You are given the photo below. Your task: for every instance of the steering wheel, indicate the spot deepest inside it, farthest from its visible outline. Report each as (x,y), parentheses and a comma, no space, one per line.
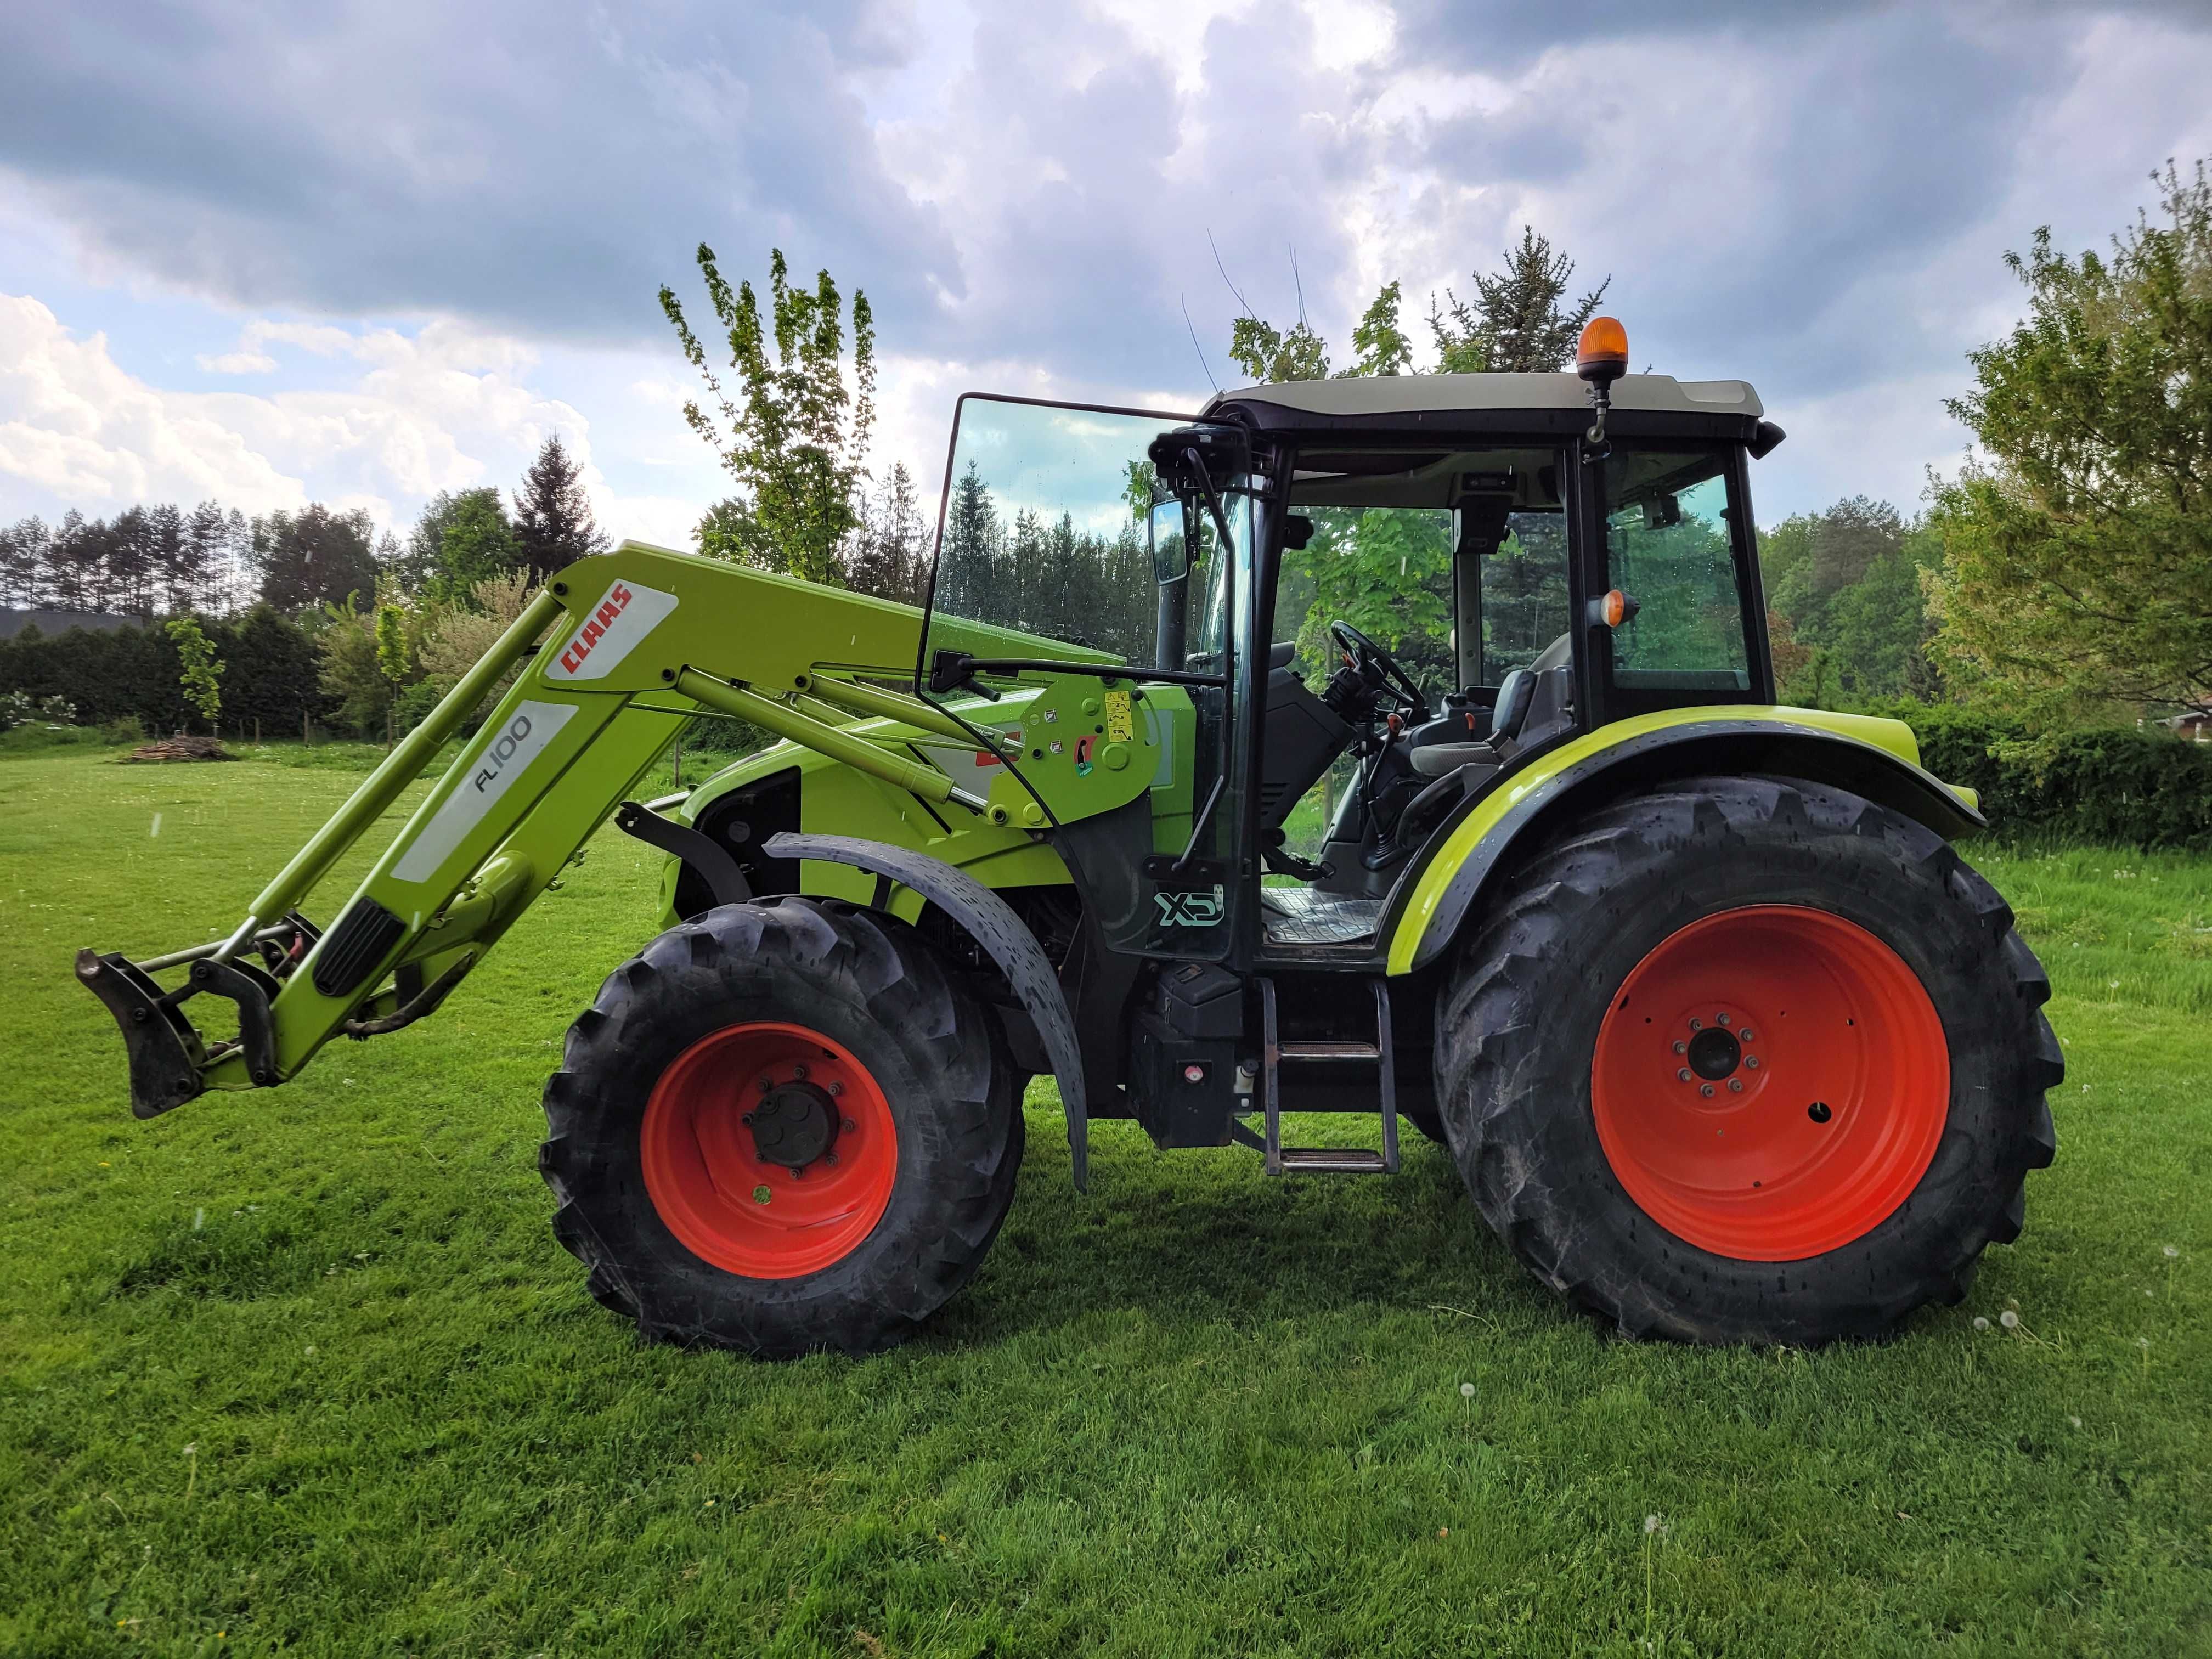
(1380,670)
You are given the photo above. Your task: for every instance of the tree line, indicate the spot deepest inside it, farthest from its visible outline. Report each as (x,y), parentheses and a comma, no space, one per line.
(286,621)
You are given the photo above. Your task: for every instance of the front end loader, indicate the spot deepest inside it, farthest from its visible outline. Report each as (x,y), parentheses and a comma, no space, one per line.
(1401,748)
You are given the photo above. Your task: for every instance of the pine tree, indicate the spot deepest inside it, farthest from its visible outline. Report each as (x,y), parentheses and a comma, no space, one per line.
(209,548)
(1516,324)
(553,522)
(890,557)
(26,547)
(970,552)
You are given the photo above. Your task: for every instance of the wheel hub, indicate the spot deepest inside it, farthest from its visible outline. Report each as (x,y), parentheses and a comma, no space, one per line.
(795,1123)
(1714,1053)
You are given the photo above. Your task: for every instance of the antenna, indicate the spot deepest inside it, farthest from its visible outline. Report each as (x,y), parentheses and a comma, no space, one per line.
(1194,345)
(1233,289)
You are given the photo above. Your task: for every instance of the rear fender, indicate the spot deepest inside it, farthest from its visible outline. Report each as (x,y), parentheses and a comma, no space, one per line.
(1642,754)
(998,932)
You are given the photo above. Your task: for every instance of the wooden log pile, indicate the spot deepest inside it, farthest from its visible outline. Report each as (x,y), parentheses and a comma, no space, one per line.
(184,747)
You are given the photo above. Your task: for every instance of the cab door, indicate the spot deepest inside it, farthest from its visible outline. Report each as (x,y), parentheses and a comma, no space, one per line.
(1082,658)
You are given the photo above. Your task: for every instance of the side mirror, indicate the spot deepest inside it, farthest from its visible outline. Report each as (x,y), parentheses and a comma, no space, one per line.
(1170,542)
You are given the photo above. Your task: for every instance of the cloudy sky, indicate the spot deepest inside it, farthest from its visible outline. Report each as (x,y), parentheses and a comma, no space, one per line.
(362,252)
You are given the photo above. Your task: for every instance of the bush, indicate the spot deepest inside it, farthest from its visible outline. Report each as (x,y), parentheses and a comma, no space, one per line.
(2138,787)
(415,704)
(21,708)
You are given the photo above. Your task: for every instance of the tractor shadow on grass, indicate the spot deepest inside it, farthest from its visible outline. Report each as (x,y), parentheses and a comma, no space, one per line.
(1203,1237)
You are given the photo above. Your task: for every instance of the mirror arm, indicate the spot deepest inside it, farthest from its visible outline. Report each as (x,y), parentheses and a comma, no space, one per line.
(1212,500)
(953,671)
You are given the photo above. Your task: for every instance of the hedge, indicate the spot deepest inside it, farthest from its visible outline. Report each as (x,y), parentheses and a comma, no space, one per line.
(269,674)
(2129,786)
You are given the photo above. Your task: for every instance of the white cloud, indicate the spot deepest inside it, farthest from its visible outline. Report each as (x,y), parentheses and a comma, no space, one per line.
(79,428)
(448,407)
(237,362)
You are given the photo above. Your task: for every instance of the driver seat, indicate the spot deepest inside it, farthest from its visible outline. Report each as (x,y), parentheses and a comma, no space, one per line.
(1514,694)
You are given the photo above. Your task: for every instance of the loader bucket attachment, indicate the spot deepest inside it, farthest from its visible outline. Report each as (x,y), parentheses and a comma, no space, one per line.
(166,1053)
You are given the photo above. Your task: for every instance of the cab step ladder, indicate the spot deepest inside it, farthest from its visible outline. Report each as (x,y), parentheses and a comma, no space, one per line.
(1274,1053)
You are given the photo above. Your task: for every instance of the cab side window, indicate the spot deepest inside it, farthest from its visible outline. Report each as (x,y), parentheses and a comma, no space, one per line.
(1670,547)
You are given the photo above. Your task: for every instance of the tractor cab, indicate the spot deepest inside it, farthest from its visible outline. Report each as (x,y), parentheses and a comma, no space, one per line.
(1346,613)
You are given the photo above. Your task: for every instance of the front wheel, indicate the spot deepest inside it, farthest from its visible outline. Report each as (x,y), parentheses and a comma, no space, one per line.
(1748,1060)
(781,1127)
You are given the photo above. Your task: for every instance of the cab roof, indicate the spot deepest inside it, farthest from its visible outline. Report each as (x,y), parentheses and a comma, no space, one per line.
(1424,396)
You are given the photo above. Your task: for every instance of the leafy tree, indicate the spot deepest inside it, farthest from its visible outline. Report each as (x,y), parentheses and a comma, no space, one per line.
(728,530)
(1273,355)
(791,433)
(356,659)
(1848,582)
(463,538)
(2077,557)
(459,638)
(1381,345)
(202,678)
(391,653)
(314,556)
(1518,322)
(553,522)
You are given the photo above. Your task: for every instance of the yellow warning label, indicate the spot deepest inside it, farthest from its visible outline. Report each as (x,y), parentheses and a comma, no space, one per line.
(1120,727)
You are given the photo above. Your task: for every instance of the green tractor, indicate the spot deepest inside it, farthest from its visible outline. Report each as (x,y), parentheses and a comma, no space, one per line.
(1726,1041)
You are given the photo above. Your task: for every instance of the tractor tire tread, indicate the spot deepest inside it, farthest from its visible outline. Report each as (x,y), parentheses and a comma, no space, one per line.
(1502,1081)
(851,970)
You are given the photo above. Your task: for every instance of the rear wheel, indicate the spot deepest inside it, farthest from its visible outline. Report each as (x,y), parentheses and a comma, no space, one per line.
(781,1127)
(1748,1060)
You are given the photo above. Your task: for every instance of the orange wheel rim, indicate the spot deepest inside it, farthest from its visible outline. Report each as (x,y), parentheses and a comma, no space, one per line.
(1771,1083)
(769,1150)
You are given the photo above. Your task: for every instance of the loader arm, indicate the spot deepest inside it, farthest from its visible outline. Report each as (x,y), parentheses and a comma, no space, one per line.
(613,656)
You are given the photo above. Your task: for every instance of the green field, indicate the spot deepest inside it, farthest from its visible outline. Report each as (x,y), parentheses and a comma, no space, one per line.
(305,1370)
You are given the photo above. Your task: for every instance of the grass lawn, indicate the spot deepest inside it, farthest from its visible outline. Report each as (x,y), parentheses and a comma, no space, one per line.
(304,1370)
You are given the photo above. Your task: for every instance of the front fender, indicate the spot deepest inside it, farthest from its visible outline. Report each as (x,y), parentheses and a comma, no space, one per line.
(1001,934)
(1875,758)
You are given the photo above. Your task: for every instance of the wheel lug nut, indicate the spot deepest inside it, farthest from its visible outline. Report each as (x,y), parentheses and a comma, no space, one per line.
(767,1084)
(1720,1020)
(1705,1088)
(746,1119)
(1697,1025)
(828,1158)
(1735,1085)
(836,1089)
(846,1126)
(1681,1047)
(1684,1074)
(799,1074)
(1744,1034)
(1752,1062)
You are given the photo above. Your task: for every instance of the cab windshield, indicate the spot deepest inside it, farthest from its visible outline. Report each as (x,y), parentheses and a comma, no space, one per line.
(1043,533)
